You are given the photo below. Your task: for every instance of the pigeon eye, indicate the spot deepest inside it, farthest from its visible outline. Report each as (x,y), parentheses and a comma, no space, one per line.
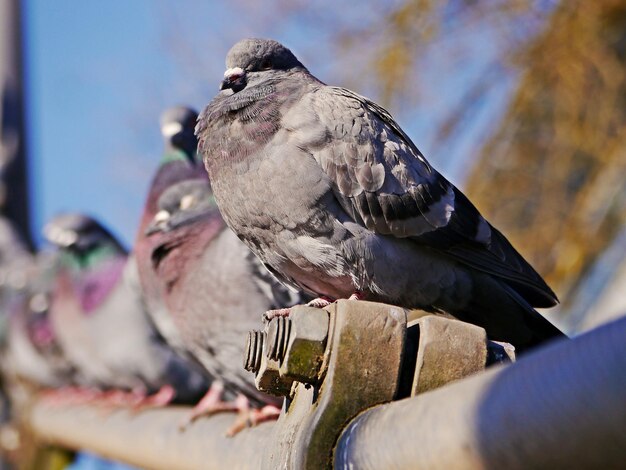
(266,64)
(187,201)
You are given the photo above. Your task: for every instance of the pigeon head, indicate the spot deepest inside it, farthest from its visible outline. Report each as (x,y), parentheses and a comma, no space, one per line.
(253,60)
(79,234)
(177,128)
(182,204)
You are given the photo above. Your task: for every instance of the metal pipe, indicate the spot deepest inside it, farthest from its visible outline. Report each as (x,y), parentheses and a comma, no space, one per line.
(151,438)
(563,406)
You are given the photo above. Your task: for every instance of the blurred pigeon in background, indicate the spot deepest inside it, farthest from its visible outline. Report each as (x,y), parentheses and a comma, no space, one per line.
(335,199)
(179,163)
(16,265)
(213,286)
(31,351)
(98,315)
(29,356)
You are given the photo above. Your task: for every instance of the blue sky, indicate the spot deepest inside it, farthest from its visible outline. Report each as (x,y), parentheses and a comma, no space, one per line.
(96,84)
(99,74)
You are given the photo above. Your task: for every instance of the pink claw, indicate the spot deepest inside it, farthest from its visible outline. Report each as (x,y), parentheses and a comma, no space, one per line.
(210,404)
(162,398)
(280,312)
(357,296)
(320,302)
(249,417)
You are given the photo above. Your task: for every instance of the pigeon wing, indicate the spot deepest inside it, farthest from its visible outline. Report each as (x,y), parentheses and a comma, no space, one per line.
(383,182)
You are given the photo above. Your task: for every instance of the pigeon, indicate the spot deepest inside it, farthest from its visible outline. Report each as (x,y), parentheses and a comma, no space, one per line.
(179,163)
(212,285)
(29,352)
(336,200)
(98,315)
(16,264)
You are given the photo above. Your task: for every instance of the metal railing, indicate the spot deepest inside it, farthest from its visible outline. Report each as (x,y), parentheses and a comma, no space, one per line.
(562,406)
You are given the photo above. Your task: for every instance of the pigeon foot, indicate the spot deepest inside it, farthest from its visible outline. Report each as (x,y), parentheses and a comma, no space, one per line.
(70,396)
(161,398)
(357,296)
(210,404)
(279,312)
(320,302)
(249,417)
(119,398)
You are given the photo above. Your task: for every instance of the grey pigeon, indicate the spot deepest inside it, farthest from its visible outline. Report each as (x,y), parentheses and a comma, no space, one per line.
(335,199)
(178,163)
(31,352)
(16,265)
(213,286)
(98,316)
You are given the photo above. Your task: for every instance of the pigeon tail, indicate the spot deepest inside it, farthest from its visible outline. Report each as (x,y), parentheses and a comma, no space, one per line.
(506,316)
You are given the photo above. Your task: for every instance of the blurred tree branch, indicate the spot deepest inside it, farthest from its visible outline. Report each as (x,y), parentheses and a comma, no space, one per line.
(558,158)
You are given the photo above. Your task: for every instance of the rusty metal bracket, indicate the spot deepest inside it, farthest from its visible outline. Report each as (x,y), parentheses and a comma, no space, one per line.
(560,407)
(333,363)
(359,364)
(448,350)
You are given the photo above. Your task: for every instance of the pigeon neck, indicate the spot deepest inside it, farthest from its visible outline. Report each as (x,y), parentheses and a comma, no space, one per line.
(175,254)
(95,285)
(174,154)
(257,111)
(92,257)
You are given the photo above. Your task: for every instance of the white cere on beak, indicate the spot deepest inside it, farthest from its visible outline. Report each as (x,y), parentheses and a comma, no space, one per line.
(187,201)
(234,72)
(161,216)
(68,237)
(59,236)
(171,128)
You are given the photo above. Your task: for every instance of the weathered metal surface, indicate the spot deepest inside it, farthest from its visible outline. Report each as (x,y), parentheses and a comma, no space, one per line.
(311,346)
(306,344)
(448,350)
(362,366)
(560,407)
(269,380)
(151,439)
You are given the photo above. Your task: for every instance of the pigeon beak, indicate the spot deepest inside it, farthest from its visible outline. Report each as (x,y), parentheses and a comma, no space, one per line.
(234,79)
(160,223)
(170,129)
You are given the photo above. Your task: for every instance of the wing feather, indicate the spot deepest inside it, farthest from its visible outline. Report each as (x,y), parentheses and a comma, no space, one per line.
(382,181)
